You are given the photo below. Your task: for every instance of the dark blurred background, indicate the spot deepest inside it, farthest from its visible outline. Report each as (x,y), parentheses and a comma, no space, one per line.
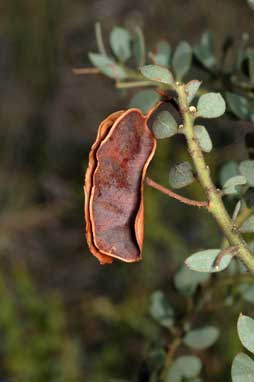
(63,317)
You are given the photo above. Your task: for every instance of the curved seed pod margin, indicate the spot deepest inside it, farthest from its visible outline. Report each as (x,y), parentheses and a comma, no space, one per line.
(114,182)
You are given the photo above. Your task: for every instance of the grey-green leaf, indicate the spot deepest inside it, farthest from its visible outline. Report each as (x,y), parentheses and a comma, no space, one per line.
(184,367)
(182,58)
(187,281)
(181,175)
(242,368)
(228,170)
(157,73)
(164,125)
(191,89)
(107,66)
(201,338)
(245,328)
(144,99)
(248,225)
(204,261)
(139,47)
(160,309)
(246,168)
(120,42)
(247,291)
(163,53)
(204,51)
(250,55)
(211,105)
(251,4)
(238,105)
(203,138)
(231,185)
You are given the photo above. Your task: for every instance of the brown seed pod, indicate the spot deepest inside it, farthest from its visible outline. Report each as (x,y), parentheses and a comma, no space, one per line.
(114,182)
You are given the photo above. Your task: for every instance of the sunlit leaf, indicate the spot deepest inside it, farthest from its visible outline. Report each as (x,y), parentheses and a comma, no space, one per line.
(204,261)
(245,328)
(242,368)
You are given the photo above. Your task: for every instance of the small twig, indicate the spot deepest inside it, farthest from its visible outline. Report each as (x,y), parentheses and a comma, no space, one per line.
(134,84)
(227,251)
(172,194)
(80,71)
(99,39)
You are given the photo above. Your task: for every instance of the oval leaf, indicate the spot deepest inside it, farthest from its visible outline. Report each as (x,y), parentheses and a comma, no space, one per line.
(157,73)
(230,186)
(107,66)
(204,51)
(139,47)
(242,368)
(245,328)
(204,261)
(191,89)
(211,105)
(164,125)
(247,291)
(201,338)
(203,138)
(228,170)
(160,309)
(181,175)
(144,99)
(163,52)
(246,168)
(120,42)
(187,281)
(238,105)
(248,225)
(182,59)
(184,367)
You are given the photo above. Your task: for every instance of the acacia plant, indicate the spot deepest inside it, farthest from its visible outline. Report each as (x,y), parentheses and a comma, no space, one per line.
(117,172)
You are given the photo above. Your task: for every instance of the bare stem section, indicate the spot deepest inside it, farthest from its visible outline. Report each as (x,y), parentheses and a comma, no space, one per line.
(171,194)
(215,203)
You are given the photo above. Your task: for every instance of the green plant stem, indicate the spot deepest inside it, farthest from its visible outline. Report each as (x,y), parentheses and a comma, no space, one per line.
(99,39)
(134,84)
(172,348)
(244,214)
(216,206)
